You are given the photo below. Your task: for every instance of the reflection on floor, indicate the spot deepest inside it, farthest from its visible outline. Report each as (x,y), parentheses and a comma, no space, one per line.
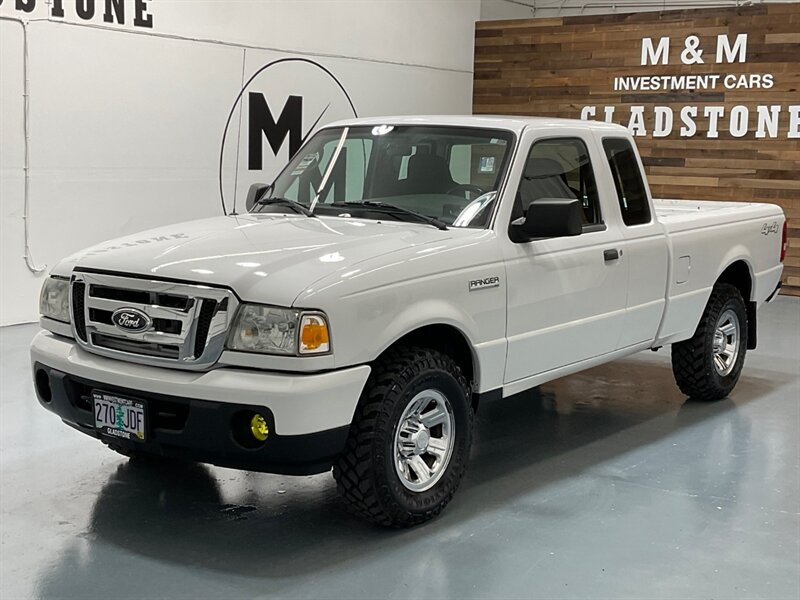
(604,484)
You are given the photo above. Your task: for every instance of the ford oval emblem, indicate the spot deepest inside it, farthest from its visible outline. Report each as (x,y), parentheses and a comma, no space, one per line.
(131,319)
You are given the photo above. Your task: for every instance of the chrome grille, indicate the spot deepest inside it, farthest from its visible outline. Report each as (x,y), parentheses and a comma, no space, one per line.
(78,292)
(188,323)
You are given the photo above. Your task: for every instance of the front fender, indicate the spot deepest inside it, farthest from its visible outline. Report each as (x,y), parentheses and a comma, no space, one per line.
(429,312)
(376,304)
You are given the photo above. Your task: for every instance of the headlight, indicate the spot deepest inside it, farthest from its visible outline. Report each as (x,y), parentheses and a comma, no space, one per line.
(271,330)
(264,329)
(54,299)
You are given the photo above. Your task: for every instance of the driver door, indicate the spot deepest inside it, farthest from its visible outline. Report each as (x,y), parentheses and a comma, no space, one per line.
(566,296)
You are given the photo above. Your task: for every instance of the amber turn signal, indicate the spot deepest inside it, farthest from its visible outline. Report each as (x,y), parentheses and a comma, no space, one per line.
(314,337)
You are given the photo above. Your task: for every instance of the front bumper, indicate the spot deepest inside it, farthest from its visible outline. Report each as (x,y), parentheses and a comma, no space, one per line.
(195,413)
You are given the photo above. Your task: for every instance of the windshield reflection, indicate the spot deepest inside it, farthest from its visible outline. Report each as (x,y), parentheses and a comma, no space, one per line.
(445,176)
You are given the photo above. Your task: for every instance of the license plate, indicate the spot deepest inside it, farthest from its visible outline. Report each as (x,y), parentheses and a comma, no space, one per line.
(119,417)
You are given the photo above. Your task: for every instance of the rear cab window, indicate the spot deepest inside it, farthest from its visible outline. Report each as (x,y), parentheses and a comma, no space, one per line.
(630,188)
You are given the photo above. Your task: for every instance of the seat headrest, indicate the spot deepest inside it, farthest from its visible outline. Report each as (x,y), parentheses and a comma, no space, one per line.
(427,162)
(428,173)
(540,168)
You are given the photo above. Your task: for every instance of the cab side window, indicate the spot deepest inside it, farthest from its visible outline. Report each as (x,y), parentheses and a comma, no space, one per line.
(631,192)
(559,168)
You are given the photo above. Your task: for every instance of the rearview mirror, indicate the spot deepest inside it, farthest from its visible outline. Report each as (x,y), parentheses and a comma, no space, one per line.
(254,194)
(398,148)
(549,218)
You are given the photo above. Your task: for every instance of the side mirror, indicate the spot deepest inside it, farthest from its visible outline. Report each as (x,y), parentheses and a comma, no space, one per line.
(256,192)
(549,218)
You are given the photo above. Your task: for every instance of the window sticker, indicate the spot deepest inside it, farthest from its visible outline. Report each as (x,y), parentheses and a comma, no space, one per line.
(308,159)
(486,164)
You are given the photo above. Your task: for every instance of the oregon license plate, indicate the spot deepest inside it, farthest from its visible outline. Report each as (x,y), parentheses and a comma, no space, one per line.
(119,417)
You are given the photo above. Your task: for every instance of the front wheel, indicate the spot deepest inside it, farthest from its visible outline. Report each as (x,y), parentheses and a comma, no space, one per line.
(410,439)
(707,366)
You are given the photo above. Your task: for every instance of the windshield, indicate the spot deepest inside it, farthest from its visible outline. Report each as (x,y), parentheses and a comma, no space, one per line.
(450,174)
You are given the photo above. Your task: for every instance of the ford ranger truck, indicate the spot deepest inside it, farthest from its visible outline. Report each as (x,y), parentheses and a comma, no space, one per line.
(397,273)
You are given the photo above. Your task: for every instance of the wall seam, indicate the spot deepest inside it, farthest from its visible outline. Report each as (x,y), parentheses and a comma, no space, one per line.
(26,132)
(175,36)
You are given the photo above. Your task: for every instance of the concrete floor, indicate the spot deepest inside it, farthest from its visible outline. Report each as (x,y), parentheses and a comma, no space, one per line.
(606,484)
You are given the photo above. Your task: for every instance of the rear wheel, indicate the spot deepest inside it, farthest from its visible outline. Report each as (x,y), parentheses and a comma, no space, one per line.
(410,439)
(707,366)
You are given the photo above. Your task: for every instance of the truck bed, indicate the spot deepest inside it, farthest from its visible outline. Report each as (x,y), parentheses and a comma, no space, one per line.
(685,215)
(705,237)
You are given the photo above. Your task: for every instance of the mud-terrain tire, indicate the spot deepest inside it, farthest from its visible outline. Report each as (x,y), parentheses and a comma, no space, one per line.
(409,442)
(707,366)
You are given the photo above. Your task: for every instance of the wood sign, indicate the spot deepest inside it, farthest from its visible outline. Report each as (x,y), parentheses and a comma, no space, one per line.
(711,95)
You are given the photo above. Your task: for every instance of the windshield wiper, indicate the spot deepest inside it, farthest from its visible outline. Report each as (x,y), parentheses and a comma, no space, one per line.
(399,209)
(293,204)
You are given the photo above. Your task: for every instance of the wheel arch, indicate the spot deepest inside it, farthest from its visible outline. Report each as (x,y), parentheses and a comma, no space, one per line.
(739,274)
(448,339)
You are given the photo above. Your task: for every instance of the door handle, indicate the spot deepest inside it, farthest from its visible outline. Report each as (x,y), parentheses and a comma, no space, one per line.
(613,254)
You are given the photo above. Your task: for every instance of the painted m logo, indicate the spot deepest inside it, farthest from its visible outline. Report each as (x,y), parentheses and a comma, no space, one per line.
(261,122)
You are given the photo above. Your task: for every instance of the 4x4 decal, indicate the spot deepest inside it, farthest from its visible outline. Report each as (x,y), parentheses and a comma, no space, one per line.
(767,228)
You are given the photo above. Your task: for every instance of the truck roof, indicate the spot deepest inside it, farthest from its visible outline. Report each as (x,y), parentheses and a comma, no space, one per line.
(511,123)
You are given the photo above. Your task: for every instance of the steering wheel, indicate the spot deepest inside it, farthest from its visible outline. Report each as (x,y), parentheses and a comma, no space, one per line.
(466,187)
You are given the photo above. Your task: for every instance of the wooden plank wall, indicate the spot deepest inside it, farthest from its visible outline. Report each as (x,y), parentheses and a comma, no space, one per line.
(556,66)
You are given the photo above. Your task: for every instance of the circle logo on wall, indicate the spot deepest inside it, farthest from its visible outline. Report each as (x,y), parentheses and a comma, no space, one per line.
(276,111)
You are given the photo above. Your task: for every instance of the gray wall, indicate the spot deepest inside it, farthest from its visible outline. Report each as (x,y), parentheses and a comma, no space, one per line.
(125,120)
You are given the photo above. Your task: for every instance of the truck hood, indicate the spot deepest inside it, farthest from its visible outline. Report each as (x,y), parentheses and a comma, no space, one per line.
(264,258)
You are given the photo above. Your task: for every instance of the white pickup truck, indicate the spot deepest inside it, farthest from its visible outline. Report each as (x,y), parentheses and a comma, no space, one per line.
(397,273)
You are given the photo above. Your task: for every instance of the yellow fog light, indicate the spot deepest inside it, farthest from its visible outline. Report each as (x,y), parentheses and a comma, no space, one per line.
(259,428)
